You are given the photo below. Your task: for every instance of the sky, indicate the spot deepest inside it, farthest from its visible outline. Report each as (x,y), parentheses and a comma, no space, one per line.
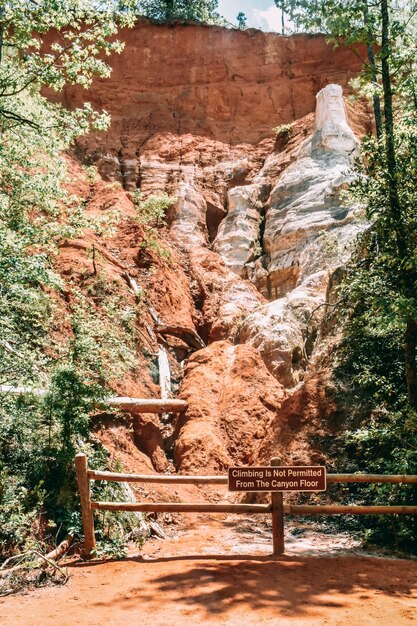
(260,13)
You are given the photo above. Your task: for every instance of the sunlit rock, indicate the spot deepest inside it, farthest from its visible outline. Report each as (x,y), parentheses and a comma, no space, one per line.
(238,241)
(335,132)
(188,222)
(305,203)
(308,234)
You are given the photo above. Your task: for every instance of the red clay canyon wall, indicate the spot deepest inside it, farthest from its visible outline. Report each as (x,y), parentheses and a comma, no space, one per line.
(193,110)
(230,85)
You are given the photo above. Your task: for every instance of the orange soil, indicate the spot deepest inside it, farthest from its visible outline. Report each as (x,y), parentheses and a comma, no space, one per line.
(221,572)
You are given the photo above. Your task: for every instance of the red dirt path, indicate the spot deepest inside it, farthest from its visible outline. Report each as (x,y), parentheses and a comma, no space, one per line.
(221,572)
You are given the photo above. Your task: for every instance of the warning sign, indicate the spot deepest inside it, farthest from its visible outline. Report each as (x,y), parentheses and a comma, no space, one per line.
(297,478)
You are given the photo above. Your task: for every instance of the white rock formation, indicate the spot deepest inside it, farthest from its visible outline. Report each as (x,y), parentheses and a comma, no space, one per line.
(305,203)
(307,236)
(225,298)
(279,329)
(335,133)
(237,241)
(188,224)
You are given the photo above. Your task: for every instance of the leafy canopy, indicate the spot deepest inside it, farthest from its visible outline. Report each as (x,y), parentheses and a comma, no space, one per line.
(194,10)
(38,437)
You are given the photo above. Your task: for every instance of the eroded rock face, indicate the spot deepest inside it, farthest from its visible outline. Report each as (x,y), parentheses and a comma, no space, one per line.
(226,423)
(305,202)
(257,229)
(307,235)
(225,300)
(199,126)
(300,233)
(188,224)
(284,330)
(238,239)
(226,84)
(304,205)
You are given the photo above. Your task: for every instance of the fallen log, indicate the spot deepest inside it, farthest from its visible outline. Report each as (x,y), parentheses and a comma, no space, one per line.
(151,405)
(140,405)
(43,561)
(60,550)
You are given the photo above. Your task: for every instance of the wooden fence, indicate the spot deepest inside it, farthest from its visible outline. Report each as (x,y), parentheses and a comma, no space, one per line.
(276,508)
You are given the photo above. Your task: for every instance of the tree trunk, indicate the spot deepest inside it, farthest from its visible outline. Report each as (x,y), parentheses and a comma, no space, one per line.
(394,200)
(407,277)
(375,98)
(1,32)
(411,361)
(374,74)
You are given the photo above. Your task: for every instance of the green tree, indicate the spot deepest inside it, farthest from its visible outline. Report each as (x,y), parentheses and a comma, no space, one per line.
(86,32)
(194,10)
(241,20)
(38,436)
(353,22)
(35,210)
(376,369)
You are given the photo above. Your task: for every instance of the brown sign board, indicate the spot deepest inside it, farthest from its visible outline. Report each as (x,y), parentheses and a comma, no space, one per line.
(296,478)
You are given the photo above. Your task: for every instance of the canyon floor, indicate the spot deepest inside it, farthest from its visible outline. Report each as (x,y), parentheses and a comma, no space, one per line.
(220,571)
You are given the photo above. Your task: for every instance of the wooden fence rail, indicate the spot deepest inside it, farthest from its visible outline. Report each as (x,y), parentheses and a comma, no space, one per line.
(276,508)
(178,479)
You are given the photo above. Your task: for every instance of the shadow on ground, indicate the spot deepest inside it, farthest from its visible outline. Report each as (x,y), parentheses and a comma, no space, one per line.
(291,586)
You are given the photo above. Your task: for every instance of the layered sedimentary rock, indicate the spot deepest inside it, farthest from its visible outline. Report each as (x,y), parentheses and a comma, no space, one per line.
(239,237)
(226,84)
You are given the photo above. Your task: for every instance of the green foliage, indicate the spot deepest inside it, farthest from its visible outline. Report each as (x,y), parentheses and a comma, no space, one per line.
(283,129)
(377,358)
(359,23)
(378,440)
(87,33)
(36,212)
(151,213)
(378,297)
(335,18)
(17,521)
(113,529)
(104,344)
(194,10)
(38,440)
(152,210)
(40,435)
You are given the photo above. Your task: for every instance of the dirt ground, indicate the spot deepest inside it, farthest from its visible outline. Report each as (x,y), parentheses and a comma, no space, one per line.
(221,572)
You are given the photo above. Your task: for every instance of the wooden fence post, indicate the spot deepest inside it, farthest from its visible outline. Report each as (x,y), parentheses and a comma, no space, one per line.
(81,468)
(277,518)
